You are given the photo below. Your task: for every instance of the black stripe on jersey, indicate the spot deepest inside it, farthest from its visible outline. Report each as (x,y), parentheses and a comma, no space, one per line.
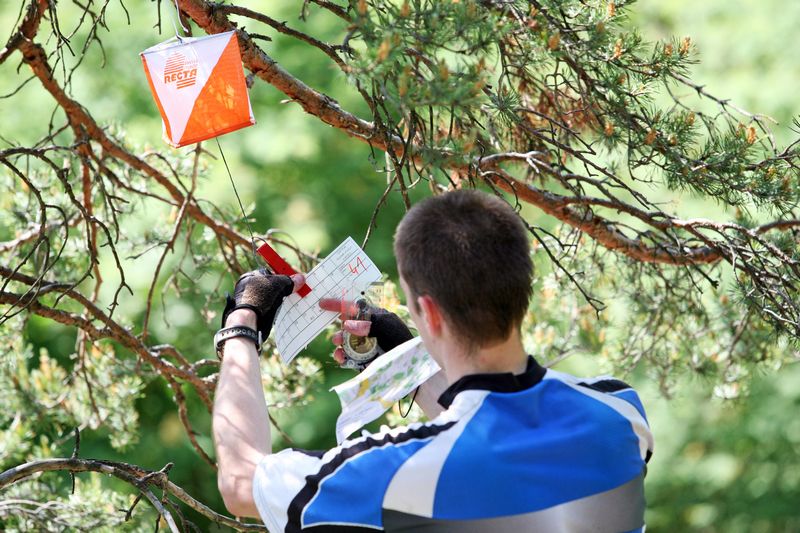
(606,385)
(313,453)
(307,493)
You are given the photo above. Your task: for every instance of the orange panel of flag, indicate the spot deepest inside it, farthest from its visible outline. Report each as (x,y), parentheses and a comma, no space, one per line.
(199,87)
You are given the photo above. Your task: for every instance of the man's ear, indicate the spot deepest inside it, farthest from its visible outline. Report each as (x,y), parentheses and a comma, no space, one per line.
(431,314)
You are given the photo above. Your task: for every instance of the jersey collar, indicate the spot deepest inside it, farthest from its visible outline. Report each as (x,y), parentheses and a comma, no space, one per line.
(500,382)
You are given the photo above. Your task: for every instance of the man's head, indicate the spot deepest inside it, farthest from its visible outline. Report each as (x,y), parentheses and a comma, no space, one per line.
(465,253)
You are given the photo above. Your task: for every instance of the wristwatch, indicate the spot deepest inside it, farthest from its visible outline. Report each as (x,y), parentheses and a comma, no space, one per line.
(236,331)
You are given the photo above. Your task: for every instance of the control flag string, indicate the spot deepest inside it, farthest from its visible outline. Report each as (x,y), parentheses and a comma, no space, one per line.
(239,200)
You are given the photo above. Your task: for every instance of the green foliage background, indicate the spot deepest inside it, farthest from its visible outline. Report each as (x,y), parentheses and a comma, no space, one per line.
(719,465)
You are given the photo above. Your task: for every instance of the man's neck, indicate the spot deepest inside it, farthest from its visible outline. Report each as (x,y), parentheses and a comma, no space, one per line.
(505,356)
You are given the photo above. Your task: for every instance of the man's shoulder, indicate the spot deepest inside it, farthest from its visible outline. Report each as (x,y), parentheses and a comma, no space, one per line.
(603,383)
(324,485)
(609,390)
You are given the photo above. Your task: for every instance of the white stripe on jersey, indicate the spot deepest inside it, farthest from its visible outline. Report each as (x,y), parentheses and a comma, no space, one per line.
(413,488)
(266,485)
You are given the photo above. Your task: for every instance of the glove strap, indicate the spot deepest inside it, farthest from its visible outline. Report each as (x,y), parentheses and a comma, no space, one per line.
(236,331)
(230,307)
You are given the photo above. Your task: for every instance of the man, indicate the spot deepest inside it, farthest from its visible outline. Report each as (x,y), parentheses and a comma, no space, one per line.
(511,446)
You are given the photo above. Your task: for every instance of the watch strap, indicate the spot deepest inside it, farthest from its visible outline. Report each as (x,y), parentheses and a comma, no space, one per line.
(236,331)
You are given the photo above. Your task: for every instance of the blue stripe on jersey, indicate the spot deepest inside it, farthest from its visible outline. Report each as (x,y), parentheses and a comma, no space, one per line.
(354,493)
(630,396)
(565,443)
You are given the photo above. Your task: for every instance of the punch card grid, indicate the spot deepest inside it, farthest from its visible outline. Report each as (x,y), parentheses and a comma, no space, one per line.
(346,272)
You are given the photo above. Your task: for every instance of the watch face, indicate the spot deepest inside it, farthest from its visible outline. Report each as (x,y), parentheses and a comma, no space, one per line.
(360,349)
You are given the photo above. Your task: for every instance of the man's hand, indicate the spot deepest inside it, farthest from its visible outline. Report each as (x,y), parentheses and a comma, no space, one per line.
(390,332)
(262,293)
(386,327)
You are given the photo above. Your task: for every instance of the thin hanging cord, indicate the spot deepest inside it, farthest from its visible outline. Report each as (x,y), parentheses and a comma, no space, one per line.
(410,404)
(238,199)
(184,28)
(172,19)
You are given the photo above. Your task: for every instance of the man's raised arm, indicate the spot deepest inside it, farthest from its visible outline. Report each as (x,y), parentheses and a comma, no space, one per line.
(240,419)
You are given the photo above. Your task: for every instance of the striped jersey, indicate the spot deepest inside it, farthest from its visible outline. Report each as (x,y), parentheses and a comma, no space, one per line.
(538,451)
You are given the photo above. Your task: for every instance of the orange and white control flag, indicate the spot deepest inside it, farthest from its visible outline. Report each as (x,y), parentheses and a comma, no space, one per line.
(199,87)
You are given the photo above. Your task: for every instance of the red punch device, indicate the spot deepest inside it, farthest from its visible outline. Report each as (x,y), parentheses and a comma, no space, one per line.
(280,266)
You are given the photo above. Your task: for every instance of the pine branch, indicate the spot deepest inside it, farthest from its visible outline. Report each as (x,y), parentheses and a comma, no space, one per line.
(135,476)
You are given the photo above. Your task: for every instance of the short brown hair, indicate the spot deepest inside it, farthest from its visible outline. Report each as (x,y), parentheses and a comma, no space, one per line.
(469,251)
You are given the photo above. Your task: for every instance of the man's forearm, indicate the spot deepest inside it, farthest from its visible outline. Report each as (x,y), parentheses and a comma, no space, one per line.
(240,419)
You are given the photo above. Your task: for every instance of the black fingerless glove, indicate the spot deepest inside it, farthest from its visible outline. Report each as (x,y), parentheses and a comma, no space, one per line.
(388,329)
(263,293)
